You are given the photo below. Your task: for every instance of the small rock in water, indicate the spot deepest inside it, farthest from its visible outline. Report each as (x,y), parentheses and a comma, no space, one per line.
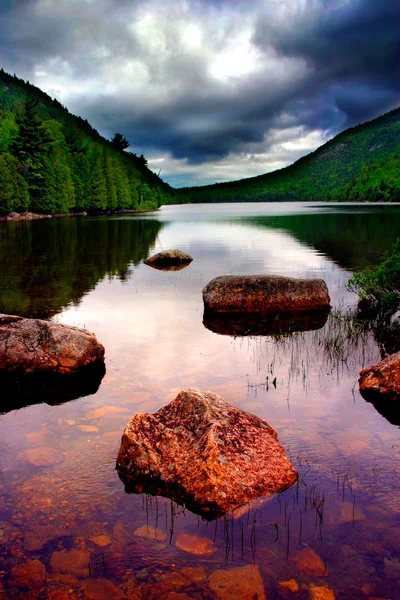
(41,457)
(88,428)
(102,589)
(194,544)
(105,411)
(30,575)
(39,535)
(350,513)
(151,533)
(174,580)
(101,540)
(239,583)
(40,438)
(169,259)
(73,562)
(320,593)
(289,586)
(308,561)
(195,574)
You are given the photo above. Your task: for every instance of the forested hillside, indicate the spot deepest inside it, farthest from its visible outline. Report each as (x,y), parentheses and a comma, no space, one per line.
(359,165)
(54,162)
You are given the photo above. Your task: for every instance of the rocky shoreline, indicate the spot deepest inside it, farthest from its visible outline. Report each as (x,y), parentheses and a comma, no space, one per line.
(30,216)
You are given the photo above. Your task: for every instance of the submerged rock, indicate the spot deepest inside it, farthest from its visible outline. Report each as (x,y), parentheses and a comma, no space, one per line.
(32,346)
(289,586)
(239,582)
(265,293)
(29,575)
(321,593)
(252,324)
(382,379)
(73,562)
(307,561)
(169,260)
(203,452)
(195,544)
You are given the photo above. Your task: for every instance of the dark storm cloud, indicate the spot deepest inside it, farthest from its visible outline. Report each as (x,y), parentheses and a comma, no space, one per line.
(305,65)
(354,52)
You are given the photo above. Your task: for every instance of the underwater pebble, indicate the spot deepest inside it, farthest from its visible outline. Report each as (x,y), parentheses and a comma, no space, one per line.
(289,586)
(151,533)
(195,544)
(321,593)
(239,583)
(308,562)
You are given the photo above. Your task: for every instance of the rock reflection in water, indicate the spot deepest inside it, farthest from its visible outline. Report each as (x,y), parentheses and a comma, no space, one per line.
(252,324)
(387,407)
(165,267)
(20,390)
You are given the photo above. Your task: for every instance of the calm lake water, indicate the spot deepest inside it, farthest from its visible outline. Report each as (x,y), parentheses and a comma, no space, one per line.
(61,500)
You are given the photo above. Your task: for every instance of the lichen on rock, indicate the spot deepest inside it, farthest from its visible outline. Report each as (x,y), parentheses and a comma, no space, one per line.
(204,453)
(169,260)
(265,293)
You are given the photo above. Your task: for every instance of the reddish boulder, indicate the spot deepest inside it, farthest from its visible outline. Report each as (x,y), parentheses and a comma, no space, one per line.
(32,346)
(382,379)
(203,452)
(169,260)
(265,293)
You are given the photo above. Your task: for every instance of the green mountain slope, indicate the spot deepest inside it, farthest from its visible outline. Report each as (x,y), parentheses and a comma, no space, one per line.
(54,162)
(361,164)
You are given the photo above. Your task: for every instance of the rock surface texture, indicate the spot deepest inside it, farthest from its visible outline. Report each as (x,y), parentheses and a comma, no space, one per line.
(382,380)
(203,452)
(169,259)
(32,346)
(265,293)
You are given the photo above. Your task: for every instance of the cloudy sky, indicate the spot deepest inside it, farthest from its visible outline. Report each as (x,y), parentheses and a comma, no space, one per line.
(210,90)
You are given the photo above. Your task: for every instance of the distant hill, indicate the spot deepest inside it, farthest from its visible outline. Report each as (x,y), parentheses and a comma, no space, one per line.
(359,165)
(54,162)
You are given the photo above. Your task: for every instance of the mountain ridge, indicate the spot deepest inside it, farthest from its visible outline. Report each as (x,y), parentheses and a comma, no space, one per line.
(342,169)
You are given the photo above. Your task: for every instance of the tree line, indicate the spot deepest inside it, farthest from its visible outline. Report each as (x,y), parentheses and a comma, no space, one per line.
(54,162)
(362,164)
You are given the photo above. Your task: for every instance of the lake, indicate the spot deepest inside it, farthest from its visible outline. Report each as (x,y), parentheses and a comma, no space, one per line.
(67,527)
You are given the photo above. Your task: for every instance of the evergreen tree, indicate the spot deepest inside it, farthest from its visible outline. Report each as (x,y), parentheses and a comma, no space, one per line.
(29,147)
(119,142)
(110,174)
(98,185)
(13,188)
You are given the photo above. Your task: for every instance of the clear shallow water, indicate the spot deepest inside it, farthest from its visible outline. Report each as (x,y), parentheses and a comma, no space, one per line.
(89,272)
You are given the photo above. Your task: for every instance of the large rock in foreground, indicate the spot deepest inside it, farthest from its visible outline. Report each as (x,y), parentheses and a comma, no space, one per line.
(204,453)
(33,346)
(382,380)
(169,260)
(265,293)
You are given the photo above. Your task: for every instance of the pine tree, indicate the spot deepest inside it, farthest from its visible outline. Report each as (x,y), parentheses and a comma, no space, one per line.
(29,146)
(99,185)
(119,142)
(13,189)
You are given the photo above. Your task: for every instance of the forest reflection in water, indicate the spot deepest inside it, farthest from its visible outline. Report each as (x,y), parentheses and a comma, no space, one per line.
(62,502)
